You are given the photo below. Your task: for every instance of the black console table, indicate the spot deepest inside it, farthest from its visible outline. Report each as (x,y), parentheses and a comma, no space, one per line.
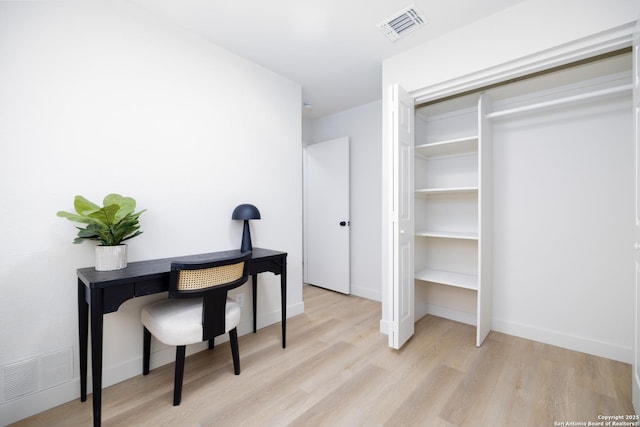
(101,292)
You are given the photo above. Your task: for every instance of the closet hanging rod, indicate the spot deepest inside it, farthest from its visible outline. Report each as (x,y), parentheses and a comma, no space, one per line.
(560,101)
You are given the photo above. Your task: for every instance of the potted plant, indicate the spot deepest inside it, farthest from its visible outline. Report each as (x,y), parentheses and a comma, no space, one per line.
(110,225)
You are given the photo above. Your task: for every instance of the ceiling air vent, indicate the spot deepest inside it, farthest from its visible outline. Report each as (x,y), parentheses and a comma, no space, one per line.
(402,23)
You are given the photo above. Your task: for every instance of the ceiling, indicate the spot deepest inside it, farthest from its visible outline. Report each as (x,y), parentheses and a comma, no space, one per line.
(333,48)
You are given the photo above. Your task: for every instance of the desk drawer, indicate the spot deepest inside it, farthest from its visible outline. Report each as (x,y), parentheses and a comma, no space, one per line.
(150,286)
(261,266)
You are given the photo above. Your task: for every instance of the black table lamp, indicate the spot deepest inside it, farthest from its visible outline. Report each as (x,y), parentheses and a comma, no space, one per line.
(246,212)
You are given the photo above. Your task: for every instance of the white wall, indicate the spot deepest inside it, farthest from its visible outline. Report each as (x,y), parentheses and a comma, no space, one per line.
(363,126)
(98,97)
(522,38)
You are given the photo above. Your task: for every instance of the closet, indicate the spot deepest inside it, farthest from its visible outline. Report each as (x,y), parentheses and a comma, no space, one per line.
(520,197)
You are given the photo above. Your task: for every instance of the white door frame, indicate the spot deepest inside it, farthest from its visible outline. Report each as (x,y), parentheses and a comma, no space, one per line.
(635,369)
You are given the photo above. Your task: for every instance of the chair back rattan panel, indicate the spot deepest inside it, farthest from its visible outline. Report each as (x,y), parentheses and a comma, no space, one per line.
(189,280)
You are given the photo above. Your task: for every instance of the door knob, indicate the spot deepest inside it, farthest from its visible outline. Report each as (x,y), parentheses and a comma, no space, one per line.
(344,223)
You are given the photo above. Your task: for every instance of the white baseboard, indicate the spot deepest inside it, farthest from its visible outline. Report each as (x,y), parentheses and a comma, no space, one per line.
(445,312)
(422,310)
(559,339)
(35,403)
(458,316)
(366,293)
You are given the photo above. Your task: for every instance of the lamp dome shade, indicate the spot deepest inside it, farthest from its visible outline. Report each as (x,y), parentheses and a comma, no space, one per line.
(245,211)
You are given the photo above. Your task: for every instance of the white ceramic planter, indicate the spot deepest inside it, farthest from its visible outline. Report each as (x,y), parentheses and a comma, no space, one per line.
(111,257)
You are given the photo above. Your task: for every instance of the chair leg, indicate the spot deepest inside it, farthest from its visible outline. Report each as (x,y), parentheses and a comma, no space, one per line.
(146,351)
(233,338)
(211,344)
(177,386)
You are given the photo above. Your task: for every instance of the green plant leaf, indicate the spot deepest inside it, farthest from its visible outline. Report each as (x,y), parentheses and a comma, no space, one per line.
(83,206)
(126,205)
(106,215)
(87,233)
(74,217)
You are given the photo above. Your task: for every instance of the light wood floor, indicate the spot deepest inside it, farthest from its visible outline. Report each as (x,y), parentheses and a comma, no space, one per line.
(338,371)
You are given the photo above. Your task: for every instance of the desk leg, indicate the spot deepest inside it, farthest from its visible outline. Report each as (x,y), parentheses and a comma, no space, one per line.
(283,296)
(254,282)
(83,330)
(96,353)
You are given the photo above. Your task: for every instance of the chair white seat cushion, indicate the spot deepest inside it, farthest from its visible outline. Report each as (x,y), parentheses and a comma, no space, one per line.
(179,321)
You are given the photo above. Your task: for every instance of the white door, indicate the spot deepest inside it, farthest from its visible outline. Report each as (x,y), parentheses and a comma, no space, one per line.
(402,283)
(326,237)
(636,114)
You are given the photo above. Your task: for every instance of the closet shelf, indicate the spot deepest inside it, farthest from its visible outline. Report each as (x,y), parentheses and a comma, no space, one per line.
(464,235)
(467,281)
(450,147)
(445,190)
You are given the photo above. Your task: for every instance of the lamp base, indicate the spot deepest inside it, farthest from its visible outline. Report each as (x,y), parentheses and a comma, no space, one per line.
(246,238)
